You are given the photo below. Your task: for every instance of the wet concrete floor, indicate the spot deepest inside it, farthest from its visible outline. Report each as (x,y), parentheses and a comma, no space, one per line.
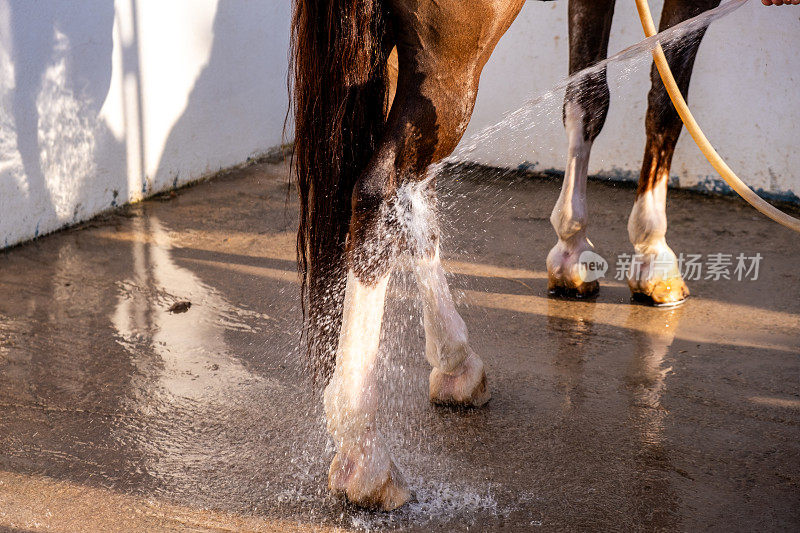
(117,413)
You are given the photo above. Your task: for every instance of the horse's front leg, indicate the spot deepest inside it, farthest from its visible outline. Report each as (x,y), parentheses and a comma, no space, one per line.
(440,63)
(585,109)
(655,270)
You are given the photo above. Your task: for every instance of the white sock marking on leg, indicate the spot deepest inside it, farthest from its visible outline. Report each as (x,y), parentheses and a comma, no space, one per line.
(350,397)
(570,213)
(445,332)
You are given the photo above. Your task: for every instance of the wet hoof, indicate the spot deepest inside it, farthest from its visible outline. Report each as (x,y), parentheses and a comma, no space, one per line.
(567,274)
(464,387)
(660,293)
(369,480)
(571,288)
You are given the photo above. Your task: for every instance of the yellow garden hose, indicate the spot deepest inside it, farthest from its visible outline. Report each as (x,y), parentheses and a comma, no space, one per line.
(697,134)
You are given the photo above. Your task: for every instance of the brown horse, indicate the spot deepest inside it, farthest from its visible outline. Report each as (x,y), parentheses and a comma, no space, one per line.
(359,139)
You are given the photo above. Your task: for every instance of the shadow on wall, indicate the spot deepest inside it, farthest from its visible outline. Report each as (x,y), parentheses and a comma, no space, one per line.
(239,101)
(104,102)
(57,64)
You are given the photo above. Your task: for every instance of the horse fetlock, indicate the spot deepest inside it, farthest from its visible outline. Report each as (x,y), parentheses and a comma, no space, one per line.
(447,355)
(647,223)
(446,344)
(350,407)
(569,226)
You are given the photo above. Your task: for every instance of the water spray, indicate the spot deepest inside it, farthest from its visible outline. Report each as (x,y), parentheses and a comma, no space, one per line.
(697,134)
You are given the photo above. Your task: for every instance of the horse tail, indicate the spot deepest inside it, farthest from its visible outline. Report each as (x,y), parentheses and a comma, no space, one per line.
(339,90)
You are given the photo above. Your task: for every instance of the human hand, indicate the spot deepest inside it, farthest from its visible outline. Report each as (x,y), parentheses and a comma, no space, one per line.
(780,2)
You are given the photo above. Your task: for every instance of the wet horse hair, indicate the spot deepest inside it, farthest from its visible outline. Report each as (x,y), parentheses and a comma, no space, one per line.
(339,86)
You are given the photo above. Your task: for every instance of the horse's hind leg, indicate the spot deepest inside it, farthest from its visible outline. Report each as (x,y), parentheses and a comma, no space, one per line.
(585,109)
(362,468)
(442,47)
(457,376)
(655,274)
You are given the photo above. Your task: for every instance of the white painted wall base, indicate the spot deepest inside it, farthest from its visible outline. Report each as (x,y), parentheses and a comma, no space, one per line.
(103,103)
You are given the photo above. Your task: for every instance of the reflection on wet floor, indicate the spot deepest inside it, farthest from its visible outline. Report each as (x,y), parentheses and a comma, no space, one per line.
(194,362)
(647,374)
(606,415)
(573,334)
(181,361)
(646,379)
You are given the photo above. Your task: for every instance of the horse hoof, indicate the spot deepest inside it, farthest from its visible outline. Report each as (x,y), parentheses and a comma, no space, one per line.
(369,482)
(464,387)
(661,293)
(567,277)
(571,288)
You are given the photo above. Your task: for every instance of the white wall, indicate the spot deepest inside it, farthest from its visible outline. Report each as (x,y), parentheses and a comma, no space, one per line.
(105,102)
